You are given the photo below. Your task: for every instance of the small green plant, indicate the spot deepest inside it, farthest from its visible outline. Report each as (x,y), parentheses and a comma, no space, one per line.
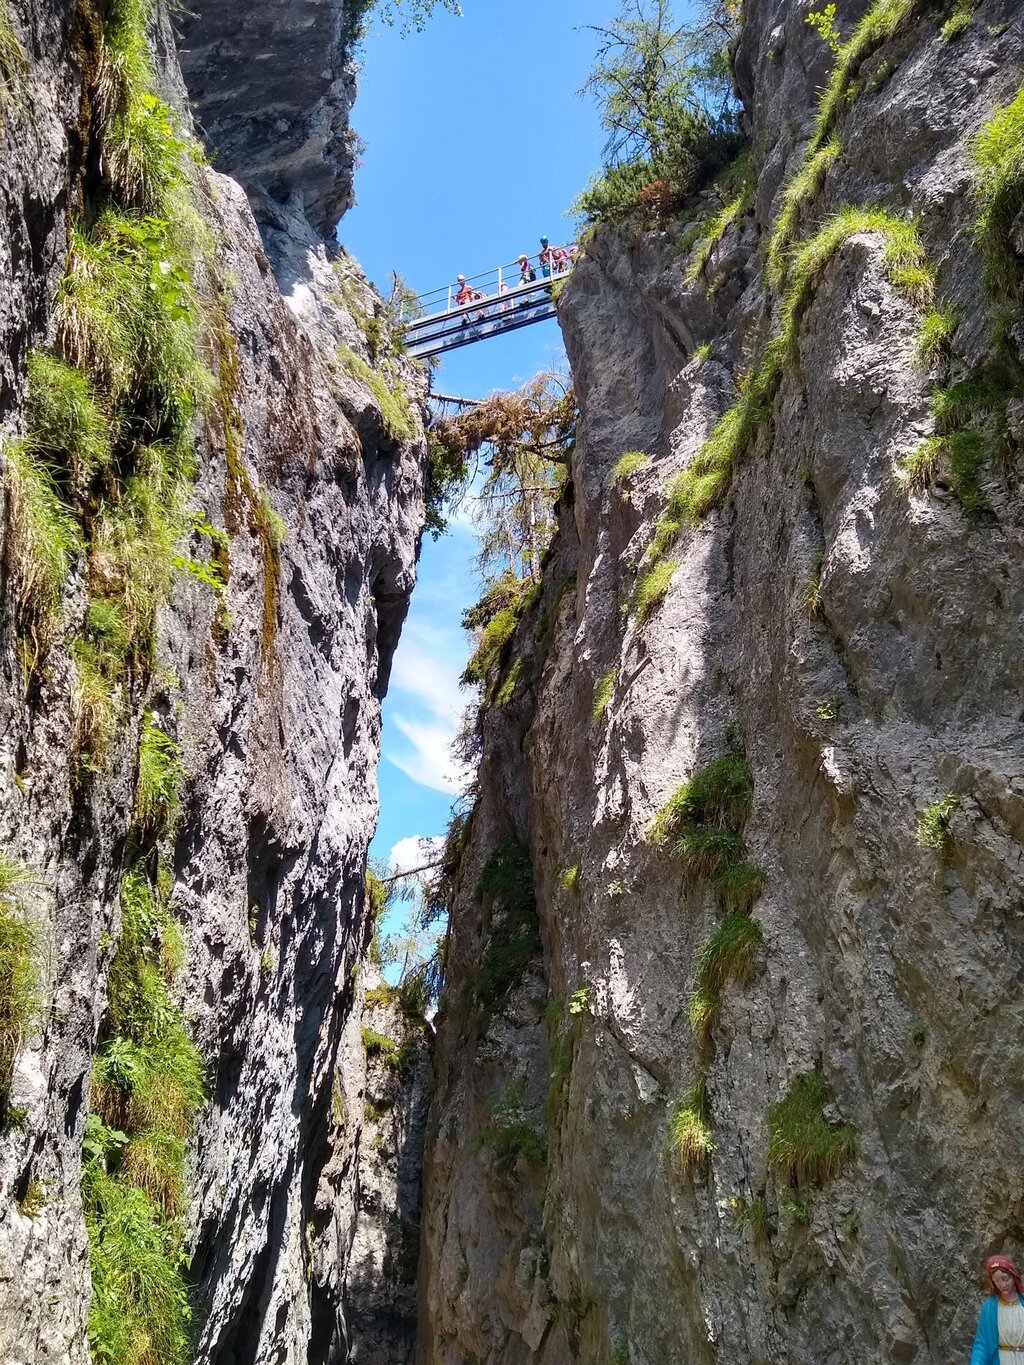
(380,1045)
(616,889)
(653,587)
(803,1148)
(32,1203)
(828,710)
(702,353)
(579,1001)
(275,524)
(810,601)
(849,1227)
(963,13)
(626,465)
(794,1209)
(42,537)
(158,793)
(510,682)
(18,977)
(603,693)
(569,878)
(935,824)
(935,333)
(752,1217)
(512,1133)
(823,21)
(727,955)
(620,1352)
(691,1132)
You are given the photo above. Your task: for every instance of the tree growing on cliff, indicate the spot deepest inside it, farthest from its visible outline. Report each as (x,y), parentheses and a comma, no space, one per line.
(411,14)
(667,104)
(513,450)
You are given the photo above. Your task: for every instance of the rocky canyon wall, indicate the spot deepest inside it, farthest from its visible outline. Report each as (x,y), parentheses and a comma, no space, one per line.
(187,822)
(725,1056)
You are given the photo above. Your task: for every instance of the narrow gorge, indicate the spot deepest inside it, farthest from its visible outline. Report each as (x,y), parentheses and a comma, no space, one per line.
(725,1061)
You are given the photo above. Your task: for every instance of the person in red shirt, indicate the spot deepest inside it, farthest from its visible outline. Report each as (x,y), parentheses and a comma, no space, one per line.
(466,294)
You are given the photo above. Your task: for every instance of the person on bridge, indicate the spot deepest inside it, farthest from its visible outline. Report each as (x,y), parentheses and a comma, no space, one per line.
(466,294)
(527,274)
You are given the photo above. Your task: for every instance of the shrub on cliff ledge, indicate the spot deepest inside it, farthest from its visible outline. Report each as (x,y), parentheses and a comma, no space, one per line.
(667,104)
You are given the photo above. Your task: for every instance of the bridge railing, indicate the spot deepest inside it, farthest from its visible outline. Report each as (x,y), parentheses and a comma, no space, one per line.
(491,283)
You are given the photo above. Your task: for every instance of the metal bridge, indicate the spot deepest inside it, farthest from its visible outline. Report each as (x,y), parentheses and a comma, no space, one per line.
(504,299)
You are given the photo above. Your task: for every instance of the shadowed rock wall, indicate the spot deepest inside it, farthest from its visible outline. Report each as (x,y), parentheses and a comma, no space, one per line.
(646,1221)
(272,693)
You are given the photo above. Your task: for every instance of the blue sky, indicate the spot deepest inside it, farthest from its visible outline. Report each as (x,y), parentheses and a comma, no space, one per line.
(476,144)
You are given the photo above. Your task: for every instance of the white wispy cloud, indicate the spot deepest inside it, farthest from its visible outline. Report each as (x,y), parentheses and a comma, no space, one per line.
(414,852)
(427,705)
(427,758)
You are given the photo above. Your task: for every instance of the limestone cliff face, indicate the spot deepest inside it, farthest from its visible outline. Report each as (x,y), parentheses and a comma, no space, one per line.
(270,688)
(607,1180)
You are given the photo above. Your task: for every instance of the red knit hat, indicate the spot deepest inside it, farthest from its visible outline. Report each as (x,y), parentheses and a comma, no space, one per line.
(1004,1263)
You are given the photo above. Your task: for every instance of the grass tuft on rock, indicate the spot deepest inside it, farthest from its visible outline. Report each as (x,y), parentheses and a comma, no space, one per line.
(42,539)
(727,955)
(691,1131)
(140,1310)
(935,333)
(13,62)
(65,418)
(717,228)
(626,465)
(652,588)
(804,187)
(18,975)
(935,824)
(603,693)
(803,1148)
(158,792)
(513,940)
(998,155)
(719,794)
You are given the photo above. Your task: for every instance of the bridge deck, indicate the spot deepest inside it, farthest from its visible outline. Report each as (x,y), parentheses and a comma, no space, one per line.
(445,325)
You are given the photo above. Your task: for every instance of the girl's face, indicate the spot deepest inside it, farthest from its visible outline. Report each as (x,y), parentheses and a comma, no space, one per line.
(1003,1282)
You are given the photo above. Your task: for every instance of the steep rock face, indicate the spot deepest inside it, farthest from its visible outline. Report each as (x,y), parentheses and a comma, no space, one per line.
(858,641)
(273,95)
(272,692)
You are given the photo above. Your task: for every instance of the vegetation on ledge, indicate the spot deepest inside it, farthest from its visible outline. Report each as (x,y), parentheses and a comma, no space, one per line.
(803,1148)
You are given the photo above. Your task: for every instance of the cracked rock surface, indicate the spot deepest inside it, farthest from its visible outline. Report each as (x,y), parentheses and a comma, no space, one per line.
(890,967)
